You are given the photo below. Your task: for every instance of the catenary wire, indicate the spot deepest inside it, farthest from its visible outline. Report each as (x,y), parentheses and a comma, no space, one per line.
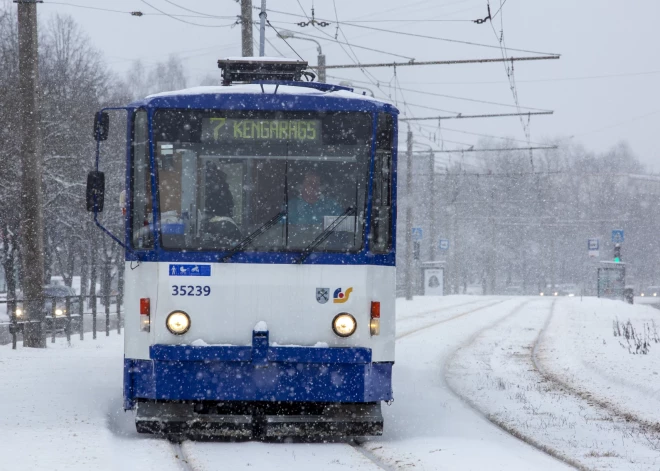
(132,13)
(193,11)
(423,36)
(356,46)
(184,21)
(282,38)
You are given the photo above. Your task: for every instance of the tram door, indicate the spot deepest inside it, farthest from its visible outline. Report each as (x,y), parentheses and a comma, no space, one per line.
(433,281)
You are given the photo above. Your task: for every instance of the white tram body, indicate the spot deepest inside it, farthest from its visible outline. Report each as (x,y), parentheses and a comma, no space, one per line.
(245,319)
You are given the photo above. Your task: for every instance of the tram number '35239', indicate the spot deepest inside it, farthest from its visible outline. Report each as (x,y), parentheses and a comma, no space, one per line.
(190,290)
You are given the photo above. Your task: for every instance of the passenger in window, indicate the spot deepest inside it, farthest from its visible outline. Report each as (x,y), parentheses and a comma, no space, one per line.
(219,200)
(219,226)
(312,205)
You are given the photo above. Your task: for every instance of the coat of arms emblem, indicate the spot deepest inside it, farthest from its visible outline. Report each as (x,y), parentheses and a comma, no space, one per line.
(322,295)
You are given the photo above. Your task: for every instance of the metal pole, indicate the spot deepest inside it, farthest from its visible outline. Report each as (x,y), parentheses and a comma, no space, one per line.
(321,67)
(246,28)
(433,236)
(452,62)
(32,227)
(262,29)
(409,221)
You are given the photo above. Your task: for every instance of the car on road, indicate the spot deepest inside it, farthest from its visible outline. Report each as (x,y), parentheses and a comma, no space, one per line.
(57,294)
(651,291)
(569,289)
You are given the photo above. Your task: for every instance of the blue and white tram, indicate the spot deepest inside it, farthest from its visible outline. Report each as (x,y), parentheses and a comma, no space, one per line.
(260,256)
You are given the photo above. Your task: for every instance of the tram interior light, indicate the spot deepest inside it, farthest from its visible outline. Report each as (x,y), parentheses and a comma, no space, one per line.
(344,324)
(178,322)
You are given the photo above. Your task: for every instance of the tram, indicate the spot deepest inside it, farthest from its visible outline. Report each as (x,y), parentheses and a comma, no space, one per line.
(259,240)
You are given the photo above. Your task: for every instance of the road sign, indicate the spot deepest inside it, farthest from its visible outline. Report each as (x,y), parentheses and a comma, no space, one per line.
(417,234)
(593,244)
(617,236)
(444,244)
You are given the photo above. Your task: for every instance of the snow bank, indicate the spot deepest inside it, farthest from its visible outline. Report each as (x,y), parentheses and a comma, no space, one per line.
(61,409)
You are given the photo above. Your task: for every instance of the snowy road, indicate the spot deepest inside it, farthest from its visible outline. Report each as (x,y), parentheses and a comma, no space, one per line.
(77,422)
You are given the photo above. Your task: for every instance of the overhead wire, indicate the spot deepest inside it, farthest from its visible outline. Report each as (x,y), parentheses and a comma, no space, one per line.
(510,73)
(436,38)
(193,11)
(282,38)
(453,97)
(185,21)
(132,13)
(356,46)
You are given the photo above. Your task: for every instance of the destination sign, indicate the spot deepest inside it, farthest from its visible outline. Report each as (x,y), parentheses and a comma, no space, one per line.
(226,129)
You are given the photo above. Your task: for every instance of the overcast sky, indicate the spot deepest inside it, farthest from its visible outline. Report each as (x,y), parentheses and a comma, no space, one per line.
(603,89)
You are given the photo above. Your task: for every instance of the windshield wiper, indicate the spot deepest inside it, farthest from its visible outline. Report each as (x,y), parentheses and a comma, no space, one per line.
(245,243)
(327,232)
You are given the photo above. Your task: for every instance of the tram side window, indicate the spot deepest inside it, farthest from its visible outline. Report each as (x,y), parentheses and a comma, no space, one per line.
(142,214)
(381,217)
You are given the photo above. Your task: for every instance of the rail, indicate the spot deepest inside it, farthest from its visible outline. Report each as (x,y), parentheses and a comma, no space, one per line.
(63,315)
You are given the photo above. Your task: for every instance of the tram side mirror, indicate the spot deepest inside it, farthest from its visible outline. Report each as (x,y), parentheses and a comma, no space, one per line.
(95,191)
(101,125)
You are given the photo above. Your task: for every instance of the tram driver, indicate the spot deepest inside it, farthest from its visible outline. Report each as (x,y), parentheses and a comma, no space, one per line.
(312,205)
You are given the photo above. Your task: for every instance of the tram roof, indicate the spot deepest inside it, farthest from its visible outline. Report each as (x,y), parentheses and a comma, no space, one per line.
(267,96)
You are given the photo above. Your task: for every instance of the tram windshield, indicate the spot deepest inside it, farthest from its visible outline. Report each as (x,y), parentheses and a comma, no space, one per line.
(262,181)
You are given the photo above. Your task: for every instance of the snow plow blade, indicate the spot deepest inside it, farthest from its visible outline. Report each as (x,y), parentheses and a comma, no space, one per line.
(259,421)
(346,420)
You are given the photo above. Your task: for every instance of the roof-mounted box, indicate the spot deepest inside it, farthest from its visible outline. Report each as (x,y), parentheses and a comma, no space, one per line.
(249,69)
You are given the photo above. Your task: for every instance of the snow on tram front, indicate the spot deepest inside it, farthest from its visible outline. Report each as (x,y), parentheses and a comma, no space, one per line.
(260,256)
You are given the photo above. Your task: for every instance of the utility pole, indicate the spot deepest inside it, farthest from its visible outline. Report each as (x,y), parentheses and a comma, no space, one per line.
(246,28)
(433,236)
(32,218)
(409,222)
(262,29)
(321,65)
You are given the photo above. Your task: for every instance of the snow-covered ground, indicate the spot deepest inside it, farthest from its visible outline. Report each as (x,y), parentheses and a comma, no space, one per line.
(61,407)
(566,388)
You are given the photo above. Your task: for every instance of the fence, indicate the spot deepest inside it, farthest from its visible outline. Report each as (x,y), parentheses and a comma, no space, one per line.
(66,315)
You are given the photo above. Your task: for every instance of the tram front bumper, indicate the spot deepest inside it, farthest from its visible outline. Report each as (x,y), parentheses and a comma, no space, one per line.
(257,373)
(258,390)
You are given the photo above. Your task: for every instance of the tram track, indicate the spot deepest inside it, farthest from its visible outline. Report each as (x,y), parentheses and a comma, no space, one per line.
(358,445)
(489,417)
(580,393)
(442,321)
(180,456)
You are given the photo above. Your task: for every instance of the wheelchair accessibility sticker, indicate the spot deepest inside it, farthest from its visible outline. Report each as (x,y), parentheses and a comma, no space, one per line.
(189,269)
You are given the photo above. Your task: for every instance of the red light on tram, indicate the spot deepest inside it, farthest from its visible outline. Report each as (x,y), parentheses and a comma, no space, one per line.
(145,306)
(375,309)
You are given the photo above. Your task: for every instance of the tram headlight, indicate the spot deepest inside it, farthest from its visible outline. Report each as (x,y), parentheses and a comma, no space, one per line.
(178,322)
(19,312)
(59,312)
(344,324)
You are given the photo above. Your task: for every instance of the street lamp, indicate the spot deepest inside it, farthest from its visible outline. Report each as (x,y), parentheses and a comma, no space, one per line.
(286,34)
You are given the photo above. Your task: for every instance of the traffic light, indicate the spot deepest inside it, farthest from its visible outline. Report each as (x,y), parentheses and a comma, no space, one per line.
(617,253)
